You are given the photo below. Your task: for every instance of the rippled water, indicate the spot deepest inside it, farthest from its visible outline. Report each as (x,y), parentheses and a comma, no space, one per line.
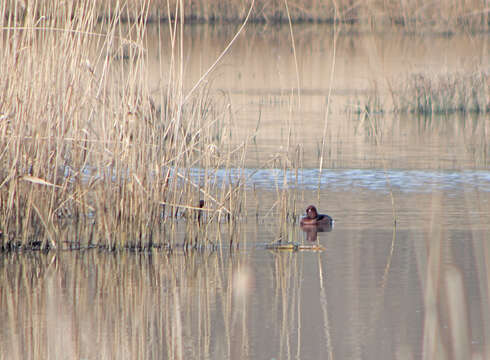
(377,291)
(381,180)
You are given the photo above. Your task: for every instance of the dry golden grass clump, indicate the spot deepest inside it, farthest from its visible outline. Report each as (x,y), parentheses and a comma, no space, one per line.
(89,152)
(460,92)
(432,94)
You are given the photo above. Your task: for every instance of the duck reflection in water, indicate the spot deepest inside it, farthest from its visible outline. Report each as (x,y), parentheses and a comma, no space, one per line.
(313,223)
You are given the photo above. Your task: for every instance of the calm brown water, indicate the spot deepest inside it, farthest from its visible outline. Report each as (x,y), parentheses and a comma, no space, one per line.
(258,79)
(375,292)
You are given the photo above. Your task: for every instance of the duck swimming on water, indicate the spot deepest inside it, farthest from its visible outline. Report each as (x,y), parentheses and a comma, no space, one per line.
(314,218)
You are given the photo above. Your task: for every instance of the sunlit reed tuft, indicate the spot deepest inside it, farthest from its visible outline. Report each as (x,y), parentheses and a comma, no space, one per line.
(428,94)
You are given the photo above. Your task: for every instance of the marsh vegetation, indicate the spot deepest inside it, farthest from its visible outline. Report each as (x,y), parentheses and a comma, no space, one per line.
(96,142)
(441,15)
(88,144)
(168,143)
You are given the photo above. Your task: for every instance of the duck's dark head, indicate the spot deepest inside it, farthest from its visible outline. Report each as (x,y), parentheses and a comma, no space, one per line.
(311,212)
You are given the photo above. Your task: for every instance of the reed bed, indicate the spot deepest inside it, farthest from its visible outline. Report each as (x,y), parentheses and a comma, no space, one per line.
(88,146)
(431,94)
(443,16)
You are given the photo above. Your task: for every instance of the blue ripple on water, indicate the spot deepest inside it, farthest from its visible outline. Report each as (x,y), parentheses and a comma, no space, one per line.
(378,180)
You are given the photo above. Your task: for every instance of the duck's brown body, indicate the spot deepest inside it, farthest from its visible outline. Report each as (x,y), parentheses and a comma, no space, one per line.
(314,218)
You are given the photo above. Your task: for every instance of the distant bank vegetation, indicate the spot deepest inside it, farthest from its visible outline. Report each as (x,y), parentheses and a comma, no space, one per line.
(443,15)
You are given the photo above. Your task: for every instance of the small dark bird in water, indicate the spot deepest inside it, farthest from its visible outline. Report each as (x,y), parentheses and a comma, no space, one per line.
(314,218)
(199,212)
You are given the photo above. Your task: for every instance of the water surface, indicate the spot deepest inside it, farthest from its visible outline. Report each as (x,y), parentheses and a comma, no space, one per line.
(377,291)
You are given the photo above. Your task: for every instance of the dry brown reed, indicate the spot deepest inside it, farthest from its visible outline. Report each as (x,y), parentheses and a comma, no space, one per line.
(88,146)
(443,16)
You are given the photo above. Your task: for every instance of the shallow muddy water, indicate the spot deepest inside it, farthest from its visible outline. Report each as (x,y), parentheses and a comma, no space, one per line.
(417,290)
